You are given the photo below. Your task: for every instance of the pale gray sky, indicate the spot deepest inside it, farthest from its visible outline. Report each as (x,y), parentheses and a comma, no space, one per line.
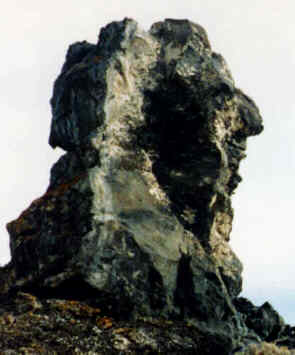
(257,39)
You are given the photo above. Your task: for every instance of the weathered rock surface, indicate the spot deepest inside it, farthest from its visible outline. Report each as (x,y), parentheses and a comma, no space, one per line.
(138,215)
(29,325)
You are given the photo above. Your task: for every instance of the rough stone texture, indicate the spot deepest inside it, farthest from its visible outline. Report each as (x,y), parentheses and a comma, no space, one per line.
(29,325)
(264,320)
(138,212)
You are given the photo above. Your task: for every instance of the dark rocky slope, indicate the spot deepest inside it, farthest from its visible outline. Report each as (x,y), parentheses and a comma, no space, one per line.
(128,250)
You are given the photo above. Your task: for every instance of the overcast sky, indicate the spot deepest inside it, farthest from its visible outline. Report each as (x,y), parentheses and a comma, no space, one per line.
(257,39)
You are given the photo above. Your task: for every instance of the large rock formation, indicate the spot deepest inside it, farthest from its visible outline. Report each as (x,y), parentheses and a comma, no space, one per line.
(138,215)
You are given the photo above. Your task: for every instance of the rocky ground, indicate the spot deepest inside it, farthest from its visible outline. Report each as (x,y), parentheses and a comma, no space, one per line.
(38,325)
(29,325)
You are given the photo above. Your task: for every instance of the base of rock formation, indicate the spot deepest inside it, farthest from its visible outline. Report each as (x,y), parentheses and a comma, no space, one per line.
(49,325)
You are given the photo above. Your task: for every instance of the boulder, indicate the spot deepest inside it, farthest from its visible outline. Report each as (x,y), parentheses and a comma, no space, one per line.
(264,320)
(138,211)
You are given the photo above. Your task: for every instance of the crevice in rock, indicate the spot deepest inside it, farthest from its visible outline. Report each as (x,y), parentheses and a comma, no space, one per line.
(184,293)
(157,291)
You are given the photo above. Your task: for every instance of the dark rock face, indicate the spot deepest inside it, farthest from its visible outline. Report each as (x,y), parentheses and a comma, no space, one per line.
(138,209)
(264,320)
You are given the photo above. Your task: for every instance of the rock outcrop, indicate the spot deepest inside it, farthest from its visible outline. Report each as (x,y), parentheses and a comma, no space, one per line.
(137,216)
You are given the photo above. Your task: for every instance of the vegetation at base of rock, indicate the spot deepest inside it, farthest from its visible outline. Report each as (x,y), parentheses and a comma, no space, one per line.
(266,349)
(29,325)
